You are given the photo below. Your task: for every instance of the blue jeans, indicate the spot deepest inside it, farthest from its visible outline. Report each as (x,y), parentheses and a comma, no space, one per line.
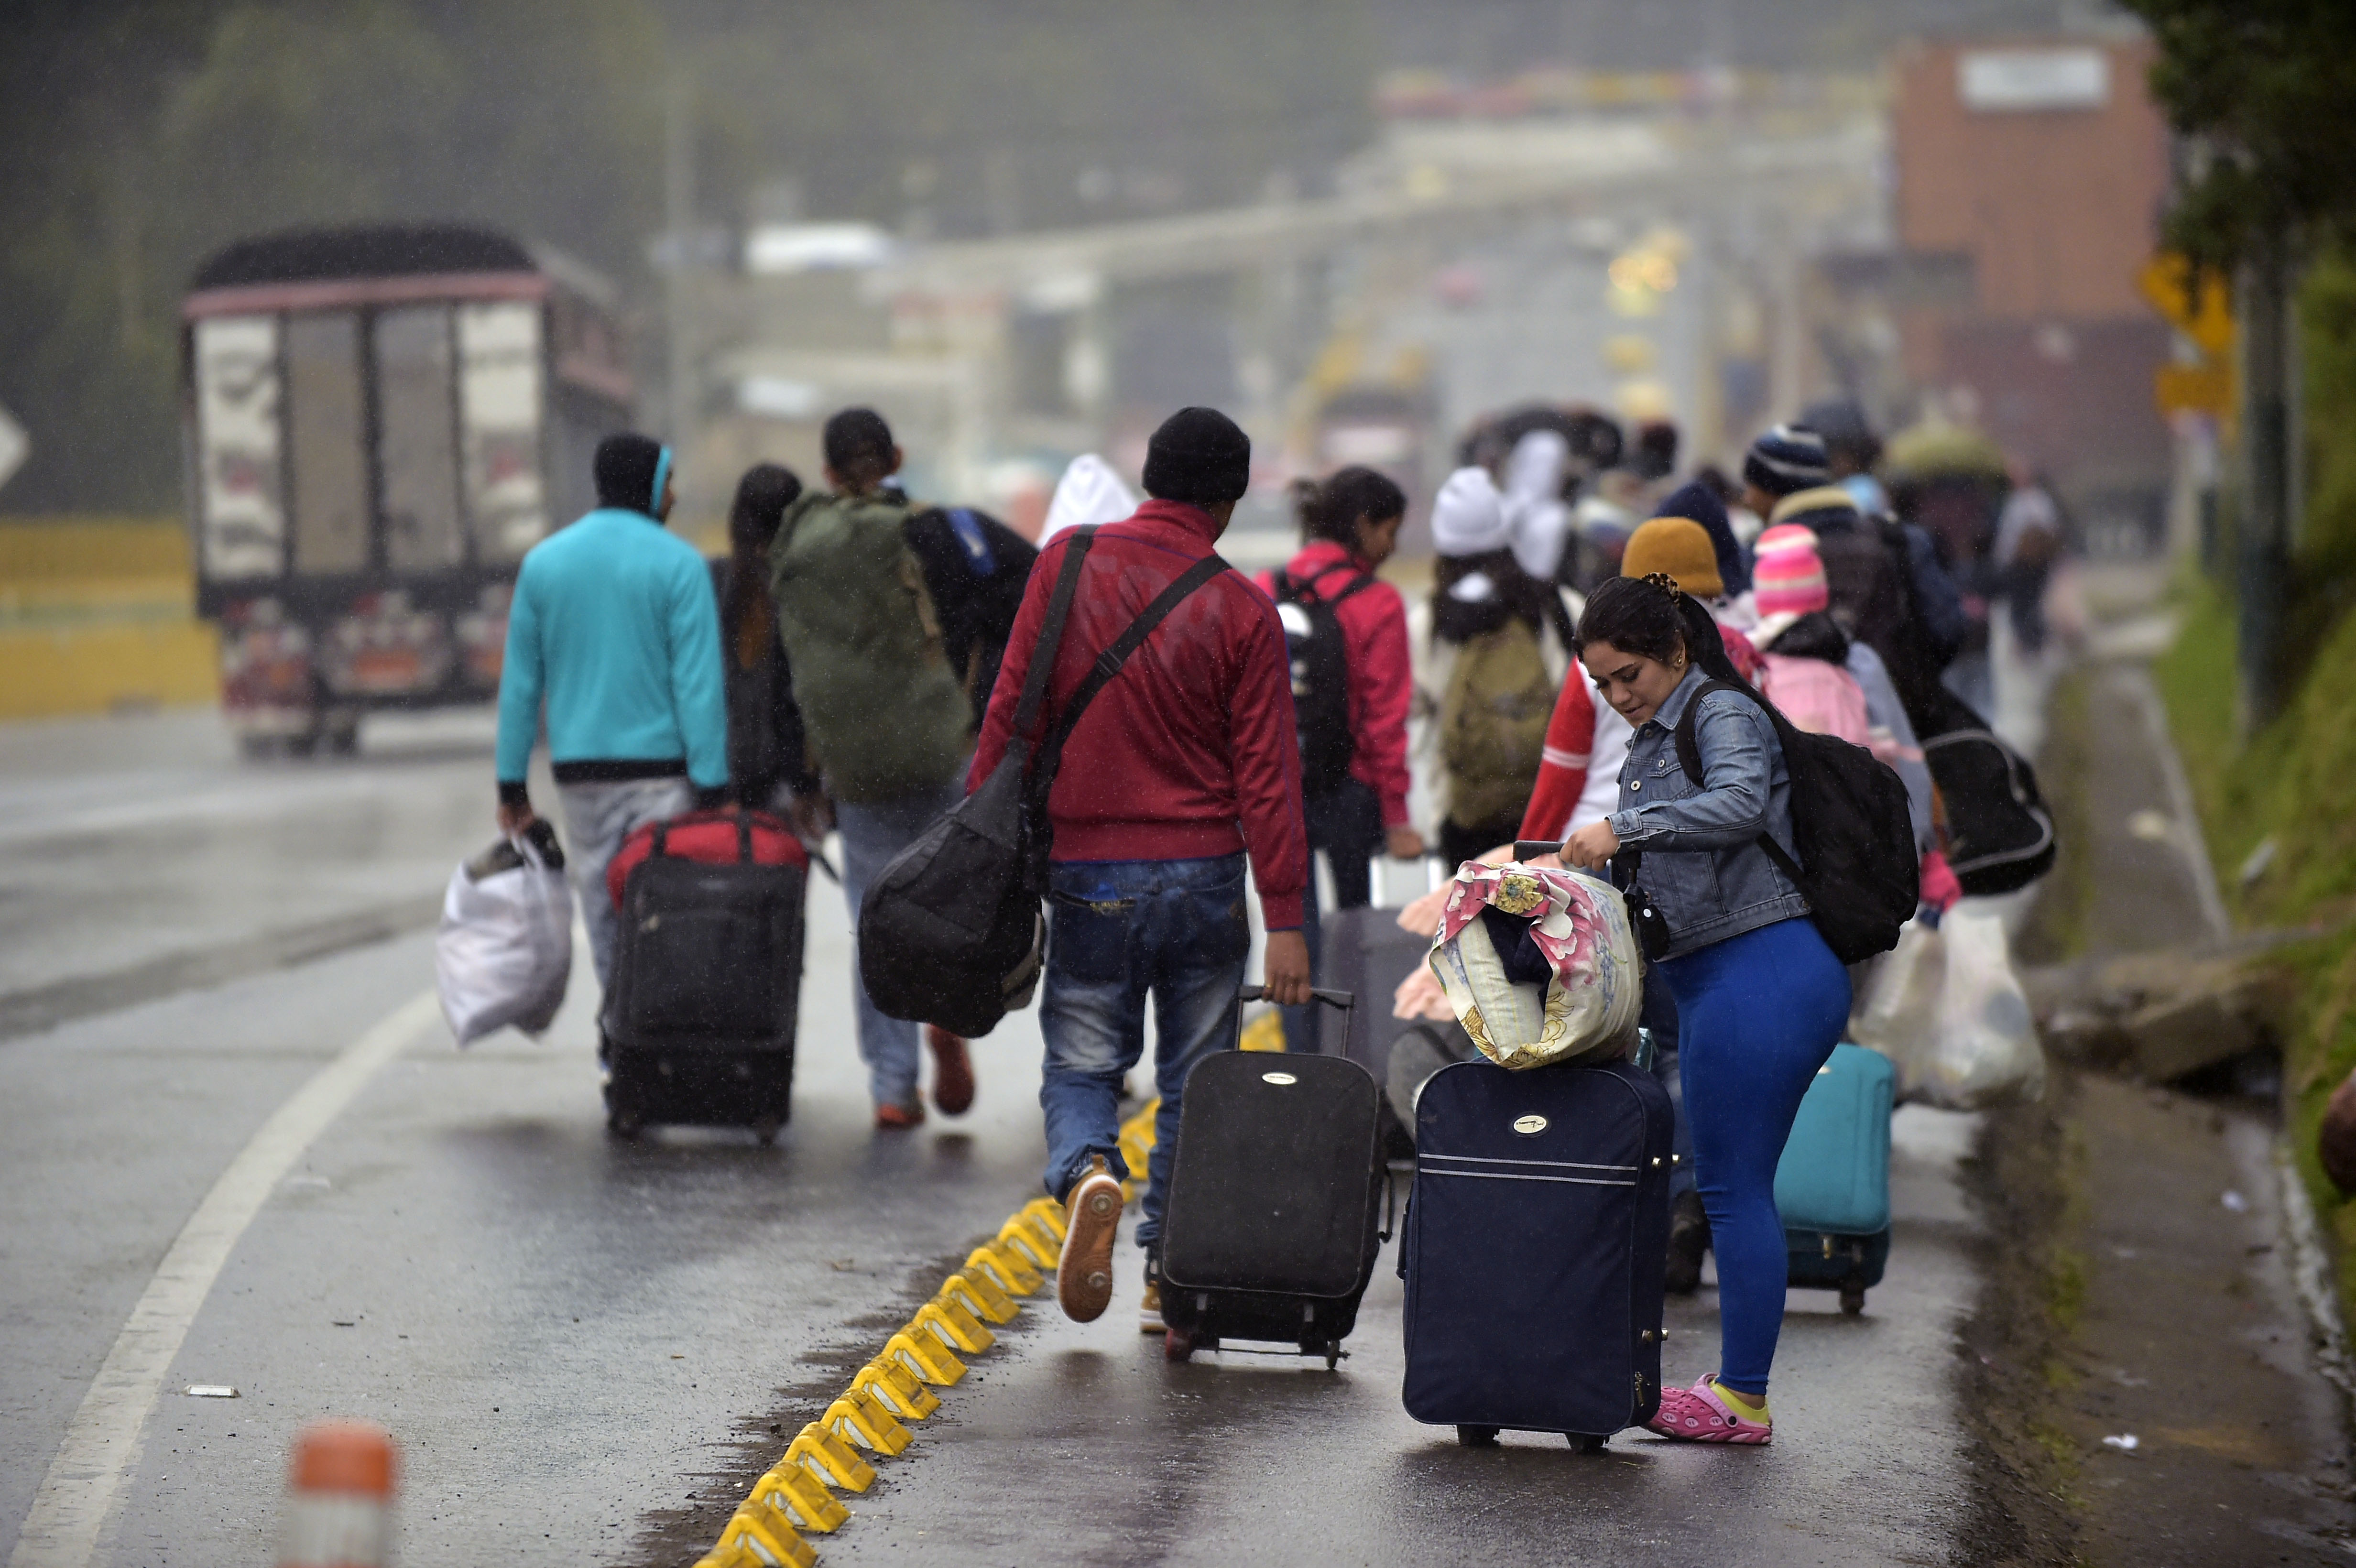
(1760,1013)
(872,833)
(1117,929)
(1348,826)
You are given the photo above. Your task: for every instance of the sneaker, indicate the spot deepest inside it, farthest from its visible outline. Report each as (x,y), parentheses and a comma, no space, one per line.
(1699,1414)
(952,1071)
(892,1118)
(1148,1315)
(1688,1238)
(1092,1216)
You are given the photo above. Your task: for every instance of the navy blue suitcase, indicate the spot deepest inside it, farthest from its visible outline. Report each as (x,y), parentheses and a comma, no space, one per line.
(1533,1249)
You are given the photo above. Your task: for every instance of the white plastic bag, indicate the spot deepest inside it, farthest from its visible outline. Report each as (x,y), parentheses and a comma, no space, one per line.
(504,954)
(1589,1006)
(1900,1005)
(1979,1049)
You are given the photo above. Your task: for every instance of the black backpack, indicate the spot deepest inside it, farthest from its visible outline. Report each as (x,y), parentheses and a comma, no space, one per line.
(1321,679)
(975,568)
(1999,833)
(950,933)
(1856,865)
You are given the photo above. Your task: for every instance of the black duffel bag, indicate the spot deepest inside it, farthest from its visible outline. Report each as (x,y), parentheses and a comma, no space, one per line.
(952,932)
(1999,833)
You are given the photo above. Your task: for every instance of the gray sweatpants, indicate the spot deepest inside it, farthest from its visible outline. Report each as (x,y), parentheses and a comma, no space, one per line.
(597,817)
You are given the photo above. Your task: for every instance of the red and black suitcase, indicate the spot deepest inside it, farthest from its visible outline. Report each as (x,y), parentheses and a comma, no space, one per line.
(699,1022)
(1271,1229)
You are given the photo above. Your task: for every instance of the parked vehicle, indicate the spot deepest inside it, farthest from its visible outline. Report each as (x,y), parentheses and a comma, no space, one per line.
(380,422)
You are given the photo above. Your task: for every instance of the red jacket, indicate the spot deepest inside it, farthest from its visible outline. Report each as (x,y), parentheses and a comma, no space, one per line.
(1562,767)
(1382,687)
(1190,751)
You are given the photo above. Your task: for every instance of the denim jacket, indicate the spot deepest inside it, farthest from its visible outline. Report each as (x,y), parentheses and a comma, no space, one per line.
(1701,860)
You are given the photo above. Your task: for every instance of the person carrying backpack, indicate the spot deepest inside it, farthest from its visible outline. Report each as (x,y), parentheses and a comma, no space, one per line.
(1346,630)
(1887,586)
(889,725)
(1494,689)
(614,625)
(1184,760)
(1762,995)
(975,569)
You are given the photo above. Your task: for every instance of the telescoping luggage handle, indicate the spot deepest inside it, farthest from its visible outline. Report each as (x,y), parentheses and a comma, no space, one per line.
(1341,1000)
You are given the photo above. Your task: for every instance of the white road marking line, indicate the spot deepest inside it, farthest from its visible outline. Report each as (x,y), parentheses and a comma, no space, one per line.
(102,1444)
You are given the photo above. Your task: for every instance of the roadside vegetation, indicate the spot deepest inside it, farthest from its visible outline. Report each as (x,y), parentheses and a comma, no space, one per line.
(2278,806)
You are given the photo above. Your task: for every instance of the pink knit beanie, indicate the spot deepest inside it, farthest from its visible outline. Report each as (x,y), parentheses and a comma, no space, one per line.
(1787,575)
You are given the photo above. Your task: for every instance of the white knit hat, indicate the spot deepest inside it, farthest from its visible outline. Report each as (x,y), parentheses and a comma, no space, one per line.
(1088,493)
(1468,515)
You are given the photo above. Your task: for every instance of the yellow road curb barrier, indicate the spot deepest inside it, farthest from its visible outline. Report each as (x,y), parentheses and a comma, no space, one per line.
(53,672)
(792,1496)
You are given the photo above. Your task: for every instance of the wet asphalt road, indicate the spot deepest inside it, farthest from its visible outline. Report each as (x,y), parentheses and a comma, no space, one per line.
(582,1345)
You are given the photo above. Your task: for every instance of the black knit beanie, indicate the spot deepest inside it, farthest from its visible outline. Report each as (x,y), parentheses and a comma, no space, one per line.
(624,468)
(1198,455)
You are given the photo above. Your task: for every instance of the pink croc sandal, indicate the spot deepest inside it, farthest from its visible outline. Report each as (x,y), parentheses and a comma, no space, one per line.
(1699,1415)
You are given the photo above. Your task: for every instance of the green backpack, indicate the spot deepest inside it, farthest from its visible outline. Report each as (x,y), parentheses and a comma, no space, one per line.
(881,709)
(1493,724)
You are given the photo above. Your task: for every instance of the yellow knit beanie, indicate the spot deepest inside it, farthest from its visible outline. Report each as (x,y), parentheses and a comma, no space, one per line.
(1678,546)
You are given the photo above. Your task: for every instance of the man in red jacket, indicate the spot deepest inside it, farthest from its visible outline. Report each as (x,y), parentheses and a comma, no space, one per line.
(1184,762)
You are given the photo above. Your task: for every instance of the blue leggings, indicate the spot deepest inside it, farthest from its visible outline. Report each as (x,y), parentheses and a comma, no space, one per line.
(1758,1014)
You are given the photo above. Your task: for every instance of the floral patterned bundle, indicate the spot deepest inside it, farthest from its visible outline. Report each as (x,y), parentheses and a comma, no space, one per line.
(1580,926)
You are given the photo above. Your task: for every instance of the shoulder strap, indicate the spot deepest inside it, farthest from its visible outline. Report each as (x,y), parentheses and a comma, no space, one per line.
(1108,663)
(1363,580)
(1689,759)
(1051,634)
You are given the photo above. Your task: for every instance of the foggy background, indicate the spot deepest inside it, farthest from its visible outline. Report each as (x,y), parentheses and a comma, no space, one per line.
(137,138)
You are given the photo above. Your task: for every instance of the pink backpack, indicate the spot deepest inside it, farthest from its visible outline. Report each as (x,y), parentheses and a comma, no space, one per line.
(1816,695)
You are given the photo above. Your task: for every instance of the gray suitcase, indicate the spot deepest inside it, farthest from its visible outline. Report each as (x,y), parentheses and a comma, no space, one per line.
(1367,955)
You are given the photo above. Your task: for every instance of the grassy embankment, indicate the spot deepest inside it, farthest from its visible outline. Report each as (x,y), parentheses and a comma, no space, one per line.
(2293,784)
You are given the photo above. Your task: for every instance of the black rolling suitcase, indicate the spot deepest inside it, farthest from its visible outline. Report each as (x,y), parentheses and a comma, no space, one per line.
(1271,1229)
(1533,1250)
(698,1021)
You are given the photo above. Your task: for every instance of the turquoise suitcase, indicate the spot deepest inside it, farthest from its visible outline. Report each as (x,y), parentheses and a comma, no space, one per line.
(1831,1186)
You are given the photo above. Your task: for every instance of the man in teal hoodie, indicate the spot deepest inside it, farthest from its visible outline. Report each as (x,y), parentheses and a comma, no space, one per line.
(613,625)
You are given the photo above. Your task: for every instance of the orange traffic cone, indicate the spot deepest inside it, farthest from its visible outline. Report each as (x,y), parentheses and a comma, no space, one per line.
(338,1498)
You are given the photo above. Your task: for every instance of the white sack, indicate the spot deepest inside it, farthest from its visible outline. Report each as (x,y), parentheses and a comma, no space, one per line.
(504,954)
(1947,1009)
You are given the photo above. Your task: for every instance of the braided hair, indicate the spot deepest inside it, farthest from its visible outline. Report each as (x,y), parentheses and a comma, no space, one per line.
(1652,616)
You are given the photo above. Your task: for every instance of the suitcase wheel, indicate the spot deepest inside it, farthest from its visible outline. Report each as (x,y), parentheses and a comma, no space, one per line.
(1477,1437)
(1177,1344)
(1329,1348)
(766,1128)
(1852,1297)
(622,1119)
(1586,1442)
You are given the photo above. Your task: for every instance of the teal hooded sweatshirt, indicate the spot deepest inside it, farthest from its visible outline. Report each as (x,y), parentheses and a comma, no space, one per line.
(614,624)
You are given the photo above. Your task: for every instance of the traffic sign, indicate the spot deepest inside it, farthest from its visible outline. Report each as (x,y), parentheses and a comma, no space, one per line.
(2205,315)
(15,447)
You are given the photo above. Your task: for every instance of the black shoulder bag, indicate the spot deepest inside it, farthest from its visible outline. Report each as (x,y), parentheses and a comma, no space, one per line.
(951,933)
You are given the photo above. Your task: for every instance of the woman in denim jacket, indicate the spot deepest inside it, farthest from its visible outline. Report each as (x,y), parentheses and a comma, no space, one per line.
(1761,998)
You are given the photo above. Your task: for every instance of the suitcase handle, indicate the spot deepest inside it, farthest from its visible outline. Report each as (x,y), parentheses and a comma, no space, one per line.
(1341,1000)
(1531,848)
